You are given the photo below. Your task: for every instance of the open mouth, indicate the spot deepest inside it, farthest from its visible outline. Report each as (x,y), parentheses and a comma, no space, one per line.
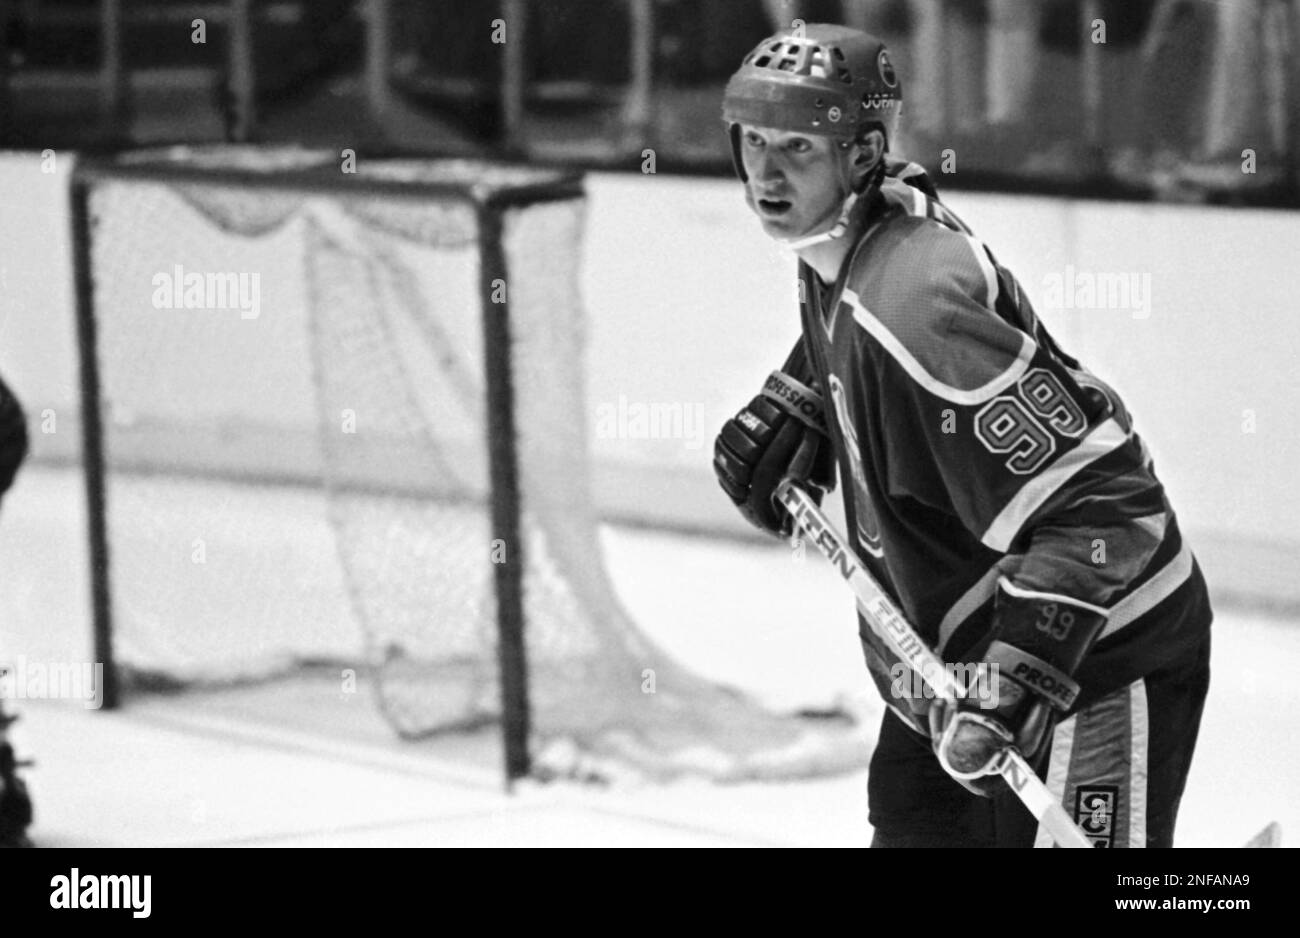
(774,206)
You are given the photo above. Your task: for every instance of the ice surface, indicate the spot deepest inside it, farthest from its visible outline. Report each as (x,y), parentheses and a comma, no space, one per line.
(767,619)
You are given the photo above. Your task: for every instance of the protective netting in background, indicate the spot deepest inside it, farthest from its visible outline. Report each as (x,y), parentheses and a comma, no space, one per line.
(301,474)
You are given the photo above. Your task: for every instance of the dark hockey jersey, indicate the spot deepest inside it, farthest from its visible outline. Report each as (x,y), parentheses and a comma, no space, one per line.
(971,447)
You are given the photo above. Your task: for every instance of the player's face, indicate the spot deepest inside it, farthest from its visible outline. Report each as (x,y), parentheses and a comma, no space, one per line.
(793,179)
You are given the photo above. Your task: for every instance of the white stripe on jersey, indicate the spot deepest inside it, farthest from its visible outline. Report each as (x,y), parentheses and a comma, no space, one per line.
(909,198)
(1155,590)
(914,201)
(919,207)
(1128,705)
(909,170)
(1138,603)
(965,607)
(1154,524)
(1106,437)
(1022,593)
(917,372)
(986,268)
(1137,764)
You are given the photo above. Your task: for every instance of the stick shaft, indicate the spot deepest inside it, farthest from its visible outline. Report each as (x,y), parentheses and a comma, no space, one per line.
(887,621)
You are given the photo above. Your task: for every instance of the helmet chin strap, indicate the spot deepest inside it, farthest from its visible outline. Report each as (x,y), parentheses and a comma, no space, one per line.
(836,230)
(838,227)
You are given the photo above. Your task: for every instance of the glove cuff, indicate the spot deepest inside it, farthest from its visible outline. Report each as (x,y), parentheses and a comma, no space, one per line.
(796,399)
(1054,628)
(1048,682)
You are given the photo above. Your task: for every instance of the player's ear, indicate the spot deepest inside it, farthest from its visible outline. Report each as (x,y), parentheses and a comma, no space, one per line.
(867,152)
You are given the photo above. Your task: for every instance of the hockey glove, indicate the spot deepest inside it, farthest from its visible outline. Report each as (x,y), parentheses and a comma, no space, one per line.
(13,437)
(780,434)
(1037,642)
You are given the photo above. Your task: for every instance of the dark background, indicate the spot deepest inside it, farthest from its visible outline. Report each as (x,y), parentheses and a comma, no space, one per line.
(1178,90)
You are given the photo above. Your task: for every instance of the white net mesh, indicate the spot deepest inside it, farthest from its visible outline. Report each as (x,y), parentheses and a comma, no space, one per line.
(300,475)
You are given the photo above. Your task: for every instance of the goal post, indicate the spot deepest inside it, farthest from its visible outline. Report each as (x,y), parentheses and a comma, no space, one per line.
(319,173)
(334,424)
(92,444)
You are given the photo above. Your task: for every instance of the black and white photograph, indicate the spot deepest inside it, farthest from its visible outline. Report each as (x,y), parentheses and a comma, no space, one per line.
(650,424)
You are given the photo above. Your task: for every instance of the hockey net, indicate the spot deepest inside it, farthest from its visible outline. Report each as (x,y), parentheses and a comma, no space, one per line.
(297,470)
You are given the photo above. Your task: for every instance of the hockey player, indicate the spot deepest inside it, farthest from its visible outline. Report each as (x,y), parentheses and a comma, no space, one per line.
(993,485)
(15,805)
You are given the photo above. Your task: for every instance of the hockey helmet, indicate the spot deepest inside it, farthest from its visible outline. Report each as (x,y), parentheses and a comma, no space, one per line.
(819,79)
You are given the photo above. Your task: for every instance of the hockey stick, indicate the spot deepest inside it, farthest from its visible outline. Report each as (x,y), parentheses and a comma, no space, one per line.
(893,628)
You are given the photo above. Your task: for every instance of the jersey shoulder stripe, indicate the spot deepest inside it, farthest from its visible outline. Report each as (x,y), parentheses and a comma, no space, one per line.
(1104,438)
(915,200)
(1152,593)
(928,264)
(1165,571)
(928,361)
(900,195)
(986,269)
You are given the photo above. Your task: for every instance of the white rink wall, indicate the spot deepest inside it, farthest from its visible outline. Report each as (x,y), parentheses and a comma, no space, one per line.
(690,306)
(690,303)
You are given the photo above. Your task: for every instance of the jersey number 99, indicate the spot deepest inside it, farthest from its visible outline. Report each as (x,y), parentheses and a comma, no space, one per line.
(1008,425)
